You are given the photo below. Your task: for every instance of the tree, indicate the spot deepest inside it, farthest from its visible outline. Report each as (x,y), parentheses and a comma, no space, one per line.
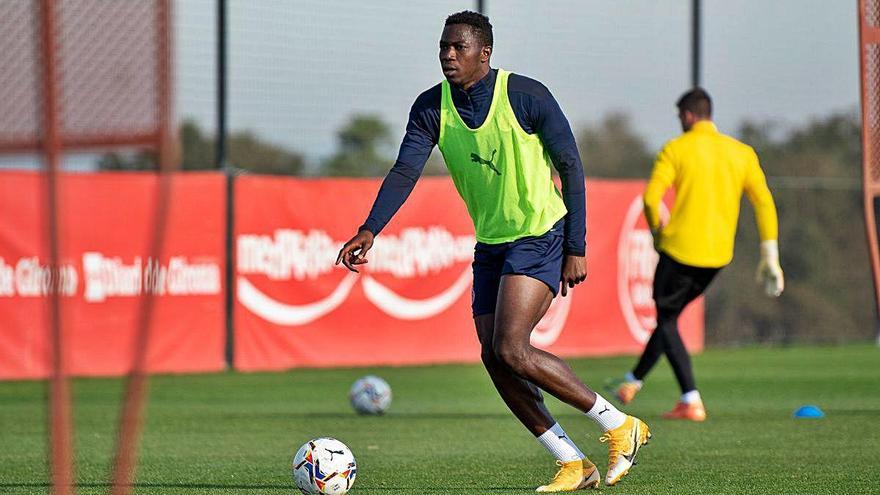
(363,148)
(613,149)
(141,160)
(244,151)
(197,150)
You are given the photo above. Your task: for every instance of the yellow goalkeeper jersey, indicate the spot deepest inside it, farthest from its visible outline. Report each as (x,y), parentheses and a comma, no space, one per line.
(709,171)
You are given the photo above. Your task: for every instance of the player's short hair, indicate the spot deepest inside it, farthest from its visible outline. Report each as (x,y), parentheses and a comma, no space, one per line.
(696,101)
(478,23)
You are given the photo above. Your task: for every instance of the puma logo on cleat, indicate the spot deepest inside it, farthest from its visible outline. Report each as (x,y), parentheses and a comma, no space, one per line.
(605,410)
(482,161)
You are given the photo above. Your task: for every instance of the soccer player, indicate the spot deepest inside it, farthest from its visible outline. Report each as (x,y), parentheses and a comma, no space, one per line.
(499,134)
(709,171)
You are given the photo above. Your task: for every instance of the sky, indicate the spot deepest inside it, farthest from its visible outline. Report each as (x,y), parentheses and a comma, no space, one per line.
(299,70)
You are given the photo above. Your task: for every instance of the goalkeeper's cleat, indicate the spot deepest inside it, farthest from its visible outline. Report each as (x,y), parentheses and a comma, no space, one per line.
(627,391)
(572,476)
(690,412)
(624,443)
(623,390)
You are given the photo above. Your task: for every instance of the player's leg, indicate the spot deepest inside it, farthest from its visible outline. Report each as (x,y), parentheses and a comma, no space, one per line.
(676,352)
(668,291)
(654,349)
(526,402)
(523,399)
(626,389)
(695,281)
(664,288)
(690,405)
(522,301)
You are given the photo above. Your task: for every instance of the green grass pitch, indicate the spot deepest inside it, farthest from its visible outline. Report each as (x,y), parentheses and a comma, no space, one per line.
(447,432)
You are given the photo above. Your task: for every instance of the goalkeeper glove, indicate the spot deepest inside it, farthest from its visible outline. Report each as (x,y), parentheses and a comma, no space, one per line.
(769,272)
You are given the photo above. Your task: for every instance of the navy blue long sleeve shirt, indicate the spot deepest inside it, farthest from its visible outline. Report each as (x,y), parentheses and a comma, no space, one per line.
(535,109)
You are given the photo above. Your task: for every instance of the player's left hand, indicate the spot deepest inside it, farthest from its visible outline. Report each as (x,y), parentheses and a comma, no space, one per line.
(574,271)
(769,271)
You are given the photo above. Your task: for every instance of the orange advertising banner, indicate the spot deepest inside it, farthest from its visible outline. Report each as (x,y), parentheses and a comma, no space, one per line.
(106,227)
(411,303)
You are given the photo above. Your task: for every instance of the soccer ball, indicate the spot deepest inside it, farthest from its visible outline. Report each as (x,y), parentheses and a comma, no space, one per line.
(324,466)
(370,395)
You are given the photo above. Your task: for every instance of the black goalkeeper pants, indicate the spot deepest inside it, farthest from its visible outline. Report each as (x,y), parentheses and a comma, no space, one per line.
(675,286)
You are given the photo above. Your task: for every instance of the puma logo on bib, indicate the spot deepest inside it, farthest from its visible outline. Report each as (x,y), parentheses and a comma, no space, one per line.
(482,161)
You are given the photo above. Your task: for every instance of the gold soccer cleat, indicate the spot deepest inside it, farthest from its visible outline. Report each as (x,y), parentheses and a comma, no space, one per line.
(572,476)
(623,445)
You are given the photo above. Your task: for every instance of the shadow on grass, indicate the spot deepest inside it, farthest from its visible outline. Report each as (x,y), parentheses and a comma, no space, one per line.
(852,412)
(455,416)
(214,486)
(200,486)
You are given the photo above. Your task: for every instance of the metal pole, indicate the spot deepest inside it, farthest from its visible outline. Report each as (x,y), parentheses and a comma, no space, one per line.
(221,164)
(481,6)
(696,42)
(220,145)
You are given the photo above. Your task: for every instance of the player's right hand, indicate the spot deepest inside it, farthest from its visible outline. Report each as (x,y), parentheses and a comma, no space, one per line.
(354,251)
(656,234)
(574,271)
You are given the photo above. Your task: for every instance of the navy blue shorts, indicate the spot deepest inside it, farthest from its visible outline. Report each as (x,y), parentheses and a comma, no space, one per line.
(537,257)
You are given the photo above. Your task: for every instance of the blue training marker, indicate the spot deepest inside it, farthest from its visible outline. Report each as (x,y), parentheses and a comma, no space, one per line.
(808,411)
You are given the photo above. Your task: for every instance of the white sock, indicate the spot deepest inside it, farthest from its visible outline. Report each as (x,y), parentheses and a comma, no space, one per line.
(560,445)
(691,397)
(560,433)
(632,378)
(606,415)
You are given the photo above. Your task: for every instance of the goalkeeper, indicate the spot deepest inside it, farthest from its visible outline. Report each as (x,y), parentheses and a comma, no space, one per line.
(709,172)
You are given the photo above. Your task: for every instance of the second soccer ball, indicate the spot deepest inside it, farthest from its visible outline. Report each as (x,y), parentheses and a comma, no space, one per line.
(370,395)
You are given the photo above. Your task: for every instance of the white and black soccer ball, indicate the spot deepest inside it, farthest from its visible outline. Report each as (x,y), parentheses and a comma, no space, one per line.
(324,466)
(370,395)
